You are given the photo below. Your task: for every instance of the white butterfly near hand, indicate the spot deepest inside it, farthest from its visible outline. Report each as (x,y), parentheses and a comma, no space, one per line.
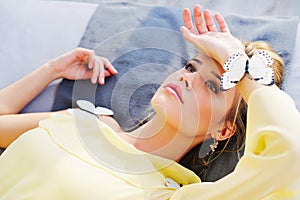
(257,67)
(89,107)
(234,71)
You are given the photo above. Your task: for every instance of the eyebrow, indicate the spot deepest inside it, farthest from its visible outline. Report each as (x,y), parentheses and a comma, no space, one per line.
(213,72)
(216,75)
(197,61)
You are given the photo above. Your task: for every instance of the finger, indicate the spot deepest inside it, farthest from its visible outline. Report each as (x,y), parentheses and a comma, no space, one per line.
(96,71)
(189,36)
(187,19)
(210,24)
(107,73)
(91,60)
(222,23)
(194,39)
(199,22)
(108,66)
(111,69)
(100,65)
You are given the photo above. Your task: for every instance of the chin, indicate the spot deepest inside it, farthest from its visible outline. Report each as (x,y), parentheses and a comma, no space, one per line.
(162,100)
(166,107)
(158,103)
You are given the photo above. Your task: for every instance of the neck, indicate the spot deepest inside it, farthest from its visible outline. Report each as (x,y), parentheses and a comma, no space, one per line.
(161,138)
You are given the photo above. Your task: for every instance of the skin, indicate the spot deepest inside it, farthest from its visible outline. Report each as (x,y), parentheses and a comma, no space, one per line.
(191,118)
(219,45)
(77,64)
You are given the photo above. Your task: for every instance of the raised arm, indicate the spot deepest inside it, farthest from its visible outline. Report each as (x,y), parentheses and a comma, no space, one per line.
(219,45)
(77,64)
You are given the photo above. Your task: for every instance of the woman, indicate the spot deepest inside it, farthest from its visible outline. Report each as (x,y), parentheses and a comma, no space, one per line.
(190,108)
(13,102)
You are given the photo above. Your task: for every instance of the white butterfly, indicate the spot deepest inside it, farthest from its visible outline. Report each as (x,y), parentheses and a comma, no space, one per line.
(257,67)
(234,71)
(89,107)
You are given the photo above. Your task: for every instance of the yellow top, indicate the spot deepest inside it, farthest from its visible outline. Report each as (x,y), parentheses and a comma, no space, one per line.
(270,167)
(58,160)
(70,157)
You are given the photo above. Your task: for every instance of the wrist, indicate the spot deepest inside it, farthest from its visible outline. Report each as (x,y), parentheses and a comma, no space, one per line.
(246,86)
(49,70)
(226,55)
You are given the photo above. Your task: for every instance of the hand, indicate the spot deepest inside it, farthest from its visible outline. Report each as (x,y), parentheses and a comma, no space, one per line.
(205,36)
(82,63)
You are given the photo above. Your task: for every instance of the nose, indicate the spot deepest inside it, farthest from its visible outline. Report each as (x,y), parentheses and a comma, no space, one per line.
(185,80)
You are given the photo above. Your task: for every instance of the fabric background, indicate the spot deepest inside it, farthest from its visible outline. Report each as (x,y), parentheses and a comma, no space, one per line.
(145,45)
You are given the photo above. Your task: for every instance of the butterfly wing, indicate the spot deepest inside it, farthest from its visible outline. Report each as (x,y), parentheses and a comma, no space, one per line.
(103,111)
(234,71)
(82,114)
(86,105)
(229,79)
(259,68)
(262,75)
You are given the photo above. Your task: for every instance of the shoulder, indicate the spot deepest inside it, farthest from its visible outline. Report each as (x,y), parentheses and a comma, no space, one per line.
(111,122)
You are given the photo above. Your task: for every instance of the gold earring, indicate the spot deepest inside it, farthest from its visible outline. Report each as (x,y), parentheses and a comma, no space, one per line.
(214,145)
(207,147)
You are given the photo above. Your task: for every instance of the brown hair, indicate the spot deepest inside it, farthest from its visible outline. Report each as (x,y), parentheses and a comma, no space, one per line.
(238,114)
(277,66)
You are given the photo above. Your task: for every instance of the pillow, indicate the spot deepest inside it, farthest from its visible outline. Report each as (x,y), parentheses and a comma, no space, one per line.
(143,61)
(32,32)
(145,45)
(291,84)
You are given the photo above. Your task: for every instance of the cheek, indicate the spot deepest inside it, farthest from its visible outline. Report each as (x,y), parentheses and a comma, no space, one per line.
(197,113)
(210,111)
(162,103)
(218,112)
(205,108)
(166,106)
(221,105)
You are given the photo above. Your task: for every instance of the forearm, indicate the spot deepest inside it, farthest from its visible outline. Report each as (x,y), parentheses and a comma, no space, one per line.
(16,96)
(246,86)
(13,125)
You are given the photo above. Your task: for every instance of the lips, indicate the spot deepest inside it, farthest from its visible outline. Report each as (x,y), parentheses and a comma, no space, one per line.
(174,90)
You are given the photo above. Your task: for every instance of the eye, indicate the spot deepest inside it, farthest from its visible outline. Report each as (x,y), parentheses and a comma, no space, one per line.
(190,67)
(212,86)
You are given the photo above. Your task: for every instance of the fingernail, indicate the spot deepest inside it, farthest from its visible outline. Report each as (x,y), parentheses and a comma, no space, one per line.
(115,71)
(184,30)
(94,80)
(102,81)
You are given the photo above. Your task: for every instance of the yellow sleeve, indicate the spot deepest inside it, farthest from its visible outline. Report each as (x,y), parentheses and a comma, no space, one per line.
(270,166)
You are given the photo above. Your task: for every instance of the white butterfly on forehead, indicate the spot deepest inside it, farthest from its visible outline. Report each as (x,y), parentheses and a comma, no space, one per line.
(89,107)
(257,67)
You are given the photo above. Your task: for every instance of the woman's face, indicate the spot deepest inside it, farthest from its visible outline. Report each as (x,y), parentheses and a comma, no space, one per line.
(190,99)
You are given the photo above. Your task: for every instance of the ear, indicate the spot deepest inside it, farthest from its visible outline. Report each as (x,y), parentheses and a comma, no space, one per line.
(227,131)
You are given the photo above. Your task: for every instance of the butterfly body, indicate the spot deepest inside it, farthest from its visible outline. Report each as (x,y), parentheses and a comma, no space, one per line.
(257,67)
(89,108)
